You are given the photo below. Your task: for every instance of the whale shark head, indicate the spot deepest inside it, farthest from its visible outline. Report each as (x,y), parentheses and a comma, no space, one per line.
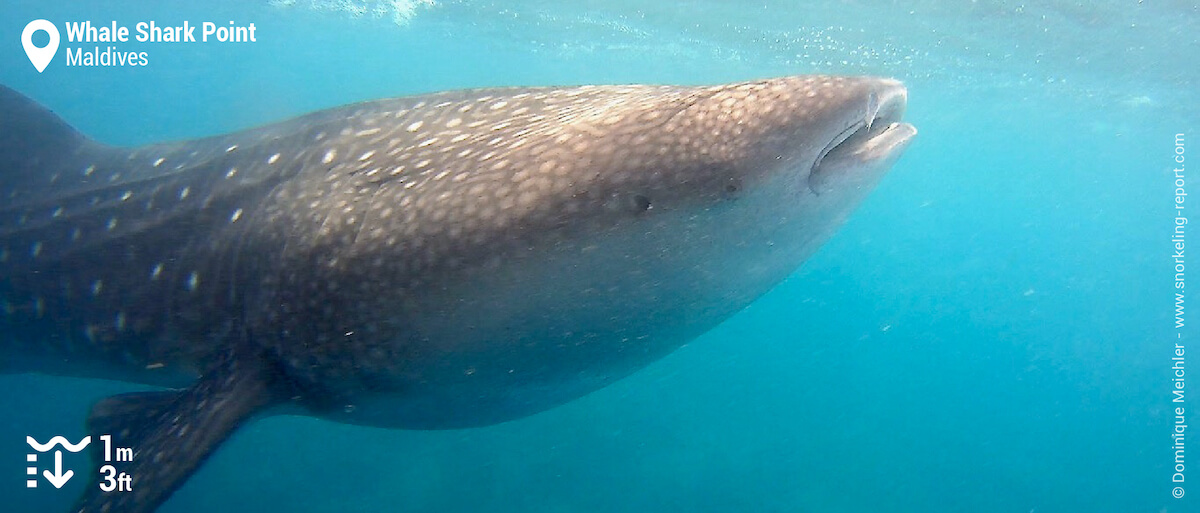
(807,136)
(536,244)
(742,181)
(797,153)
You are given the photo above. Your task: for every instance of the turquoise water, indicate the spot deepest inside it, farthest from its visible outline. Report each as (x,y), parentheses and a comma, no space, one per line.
(990,332)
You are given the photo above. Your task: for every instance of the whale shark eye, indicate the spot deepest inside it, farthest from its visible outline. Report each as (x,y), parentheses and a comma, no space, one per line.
(642,203)
(732,187)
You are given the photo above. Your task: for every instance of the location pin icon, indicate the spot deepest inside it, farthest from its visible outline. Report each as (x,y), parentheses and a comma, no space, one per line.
(40,57)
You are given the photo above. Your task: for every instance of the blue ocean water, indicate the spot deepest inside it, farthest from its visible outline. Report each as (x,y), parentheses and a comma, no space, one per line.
(992,331)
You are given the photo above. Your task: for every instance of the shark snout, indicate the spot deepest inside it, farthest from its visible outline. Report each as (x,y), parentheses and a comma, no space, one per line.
(817,131)
(867,138)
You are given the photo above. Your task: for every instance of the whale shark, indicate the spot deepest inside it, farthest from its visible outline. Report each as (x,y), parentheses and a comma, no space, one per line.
(442,261)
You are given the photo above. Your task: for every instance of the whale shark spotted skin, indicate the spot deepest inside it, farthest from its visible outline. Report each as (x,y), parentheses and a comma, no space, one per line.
(442,261)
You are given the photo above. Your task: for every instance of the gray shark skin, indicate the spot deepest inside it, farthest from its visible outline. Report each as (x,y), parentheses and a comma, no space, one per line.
(441,261)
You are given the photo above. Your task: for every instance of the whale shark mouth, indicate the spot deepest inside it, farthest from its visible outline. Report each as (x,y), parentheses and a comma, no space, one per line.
(878,135)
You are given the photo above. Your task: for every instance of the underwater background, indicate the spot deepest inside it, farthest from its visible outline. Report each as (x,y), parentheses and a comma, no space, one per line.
(992,331)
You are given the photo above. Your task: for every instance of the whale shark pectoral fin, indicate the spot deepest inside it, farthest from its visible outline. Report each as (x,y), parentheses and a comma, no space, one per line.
(170,434)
